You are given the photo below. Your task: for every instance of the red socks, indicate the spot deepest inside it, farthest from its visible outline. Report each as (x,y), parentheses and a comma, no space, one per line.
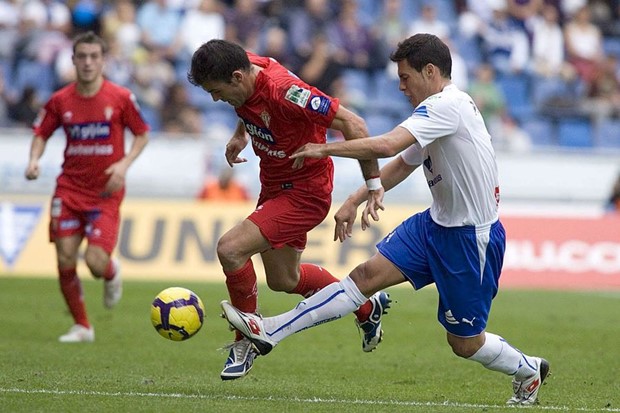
(110,270)
(242,289)
(71,289)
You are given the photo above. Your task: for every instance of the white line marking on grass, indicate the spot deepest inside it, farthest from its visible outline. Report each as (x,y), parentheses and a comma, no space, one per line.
(296,400)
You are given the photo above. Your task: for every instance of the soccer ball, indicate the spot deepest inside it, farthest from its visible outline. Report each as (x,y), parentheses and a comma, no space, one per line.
(177,313)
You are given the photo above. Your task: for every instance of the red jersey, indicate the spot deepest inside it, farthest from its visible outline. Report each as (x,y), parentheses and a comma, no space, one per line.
(95,128)
(283,114)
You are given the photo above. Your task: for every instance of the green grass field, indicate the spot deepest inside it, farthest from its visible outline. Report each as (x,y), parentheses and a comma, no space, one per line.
(130,368)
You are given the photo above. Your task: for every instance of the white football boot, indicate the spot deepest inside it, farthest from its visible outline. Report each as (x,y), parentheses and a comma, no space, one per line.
(113,289)
(78,334)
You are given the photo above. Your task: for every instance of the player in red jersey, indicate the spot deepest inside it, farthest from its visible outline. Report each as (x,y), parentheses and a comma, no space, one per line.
(94,113)
(279,113)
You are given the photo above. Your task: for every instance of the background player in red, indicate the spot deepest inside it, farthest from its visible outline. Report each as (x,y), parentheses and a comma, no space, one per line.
(279,113)
(94,113)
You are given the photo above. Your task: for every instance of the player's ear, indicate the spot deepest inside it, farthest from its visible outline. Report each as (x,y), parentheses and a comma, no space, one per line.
(237,76)
(428,70)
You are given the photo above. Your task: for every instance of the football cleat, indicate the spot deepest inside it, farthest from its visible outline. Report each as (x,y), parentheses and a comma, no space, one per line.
(526,391)
(240,360)
(113,289)
(78,334)
(373,334)
(250,325)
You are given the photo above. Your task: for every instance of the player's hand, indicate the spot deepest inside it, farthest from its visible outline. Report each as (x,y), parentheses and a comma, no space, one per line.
(32,171)
(345,218)
(309,150)
(233,149)
(117,172)
(374,204)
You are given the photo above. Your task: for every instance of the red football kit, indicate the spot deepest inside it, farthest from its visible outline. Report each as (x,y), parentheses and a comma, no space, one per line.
(283,114)
(94,127)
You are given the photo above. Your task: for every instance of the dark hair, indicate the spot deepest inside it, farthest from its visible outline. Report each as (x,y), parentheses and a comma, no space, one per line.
(422,49)
(216,60)
(90,37)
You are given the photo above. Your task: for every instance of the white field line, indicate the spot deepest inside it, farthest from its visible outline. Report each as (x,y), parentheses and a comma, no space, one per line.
(296,400)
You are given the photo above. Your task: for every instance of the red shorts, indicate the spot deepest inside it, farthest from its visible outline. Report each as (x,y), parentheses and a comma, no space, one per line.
(96,219)
(286,217)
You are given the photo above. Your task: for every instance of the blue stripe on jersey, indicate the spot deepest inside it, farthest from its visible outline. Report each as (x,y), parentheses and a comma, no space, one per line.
(421,111)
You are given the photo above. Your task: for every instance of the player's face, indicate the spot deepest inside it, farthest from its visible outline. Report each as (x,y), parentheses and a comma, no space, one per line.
(415,85)
(88,62)
(234,92)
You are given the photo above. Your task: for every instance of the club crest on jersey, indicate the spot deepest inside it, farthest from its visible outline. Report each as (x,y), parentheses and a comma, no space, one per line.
(265,117)
(108,111)
(298,95)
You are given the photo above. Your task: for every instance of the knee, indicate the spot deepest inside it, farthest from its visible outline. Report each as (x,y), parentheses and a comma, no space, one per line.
(66,260)
(363,279)
(228,252)
(465,347)
(96,262)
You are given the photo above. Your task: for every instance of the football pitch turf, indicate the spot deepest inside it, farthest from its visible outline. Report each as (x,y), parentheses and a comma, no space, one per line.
(130,368)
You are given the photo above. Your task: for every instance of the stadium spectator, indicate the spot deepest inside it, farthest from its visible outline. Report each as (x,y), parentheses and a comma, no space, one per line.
(505,45)
(584,45)
(119,25)
(488,97)
(523,11)
(357,46)
(548,60)
(307,22)
(199,25)
(320,67)
(428,22)
(224,187)
(274,43)
(177,114)
(278,112)
(24,111)
(159,25)
(457,244)
(119,68)
(94,114)
(9,22)
(603,100)
(152,78)
(244,23)
(391,25)
(49,15)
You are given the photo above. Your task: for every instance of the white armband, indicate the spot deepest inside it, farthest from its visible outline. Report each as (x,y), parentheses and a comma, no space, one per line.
(374,183)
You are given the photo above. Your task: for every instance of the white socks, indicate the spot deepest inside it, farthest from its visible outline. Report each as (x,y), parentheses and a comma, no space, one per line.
(332,302)
(497,355)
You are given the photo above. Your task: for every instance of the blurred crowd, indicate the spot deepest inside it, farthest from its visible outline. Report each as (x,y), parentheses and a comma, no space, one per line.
(528,63)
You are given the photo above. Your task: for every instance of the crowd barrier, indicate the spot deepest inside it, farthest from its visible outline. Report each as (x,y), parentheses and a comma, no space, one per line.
(176,241)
